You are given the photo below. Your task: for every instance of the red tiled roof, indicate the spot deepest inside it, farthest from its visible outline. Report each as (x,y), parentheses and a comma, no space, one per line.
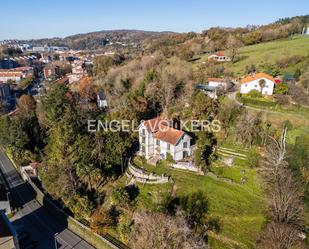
(218,54)
(152,125)
(11,74)
(168,134)
(257,76)
(216,79)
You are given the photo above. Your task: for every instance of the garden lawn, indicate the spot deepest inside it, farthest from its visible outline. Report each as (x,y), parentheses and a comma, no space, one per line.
(239,207)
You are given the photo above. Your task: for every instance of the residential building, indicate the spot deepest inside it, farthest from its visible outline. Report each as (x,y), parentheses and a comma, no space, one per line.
(8,234)
(78,71)
(253,82)
(101,99)
(51,72)
(158,138)
(47,48)
(220,57)
(16,74)
(46,58)
(218,82)
(210,91)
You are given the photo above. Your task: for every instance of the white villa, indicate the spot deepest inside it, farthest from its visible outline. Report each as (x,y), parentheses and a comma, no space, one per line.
(252,82)
(220,57)
(157,138)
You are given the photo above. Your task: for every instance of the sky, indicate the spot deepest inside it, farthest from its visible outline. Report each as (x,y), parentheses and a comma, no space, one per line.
(59,18)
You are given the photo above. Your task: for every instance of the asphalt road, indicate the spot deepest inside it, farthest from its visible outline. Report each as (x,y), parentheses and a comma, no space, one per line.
(35,218)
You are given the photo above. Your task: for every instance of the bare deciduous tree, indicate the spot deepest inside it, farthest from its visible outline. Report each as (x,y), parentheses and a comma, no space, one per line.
(233,45)
(278,236)
(248,129)
(161,231)
(284,198)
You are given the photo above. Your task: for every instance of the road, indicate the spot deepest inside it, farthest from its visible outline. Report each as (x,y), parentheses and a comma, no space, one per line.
(35,218)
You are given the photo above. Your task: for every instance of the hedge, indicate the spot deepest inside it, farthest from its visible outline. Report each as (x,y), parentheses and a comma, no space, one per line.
(256,102)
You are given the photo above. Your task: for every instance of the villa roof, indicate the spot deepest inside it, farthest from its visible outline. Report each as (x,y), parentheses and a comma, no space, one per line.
(169,134)
(152,125)
(257,76)
(217,79)
(218,54)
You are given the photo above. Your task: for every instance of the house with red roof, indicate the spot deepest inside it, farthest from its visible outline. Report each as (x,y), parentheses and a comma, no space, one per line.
(220,57)
(16,74)
(158,138)
(261,82)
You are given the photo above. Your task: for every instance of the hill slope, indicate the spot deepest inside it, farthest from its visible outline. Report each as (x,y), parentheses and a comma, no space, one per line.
(268,52)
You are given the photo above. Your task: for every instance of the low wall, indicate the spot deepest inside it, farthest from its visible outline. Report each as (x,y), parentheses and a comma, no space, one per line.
(143,177)
(185,166)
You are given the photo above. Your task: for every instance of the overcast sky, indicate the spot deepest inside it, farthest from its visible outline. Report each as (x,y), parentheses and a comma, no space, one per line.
(55,18)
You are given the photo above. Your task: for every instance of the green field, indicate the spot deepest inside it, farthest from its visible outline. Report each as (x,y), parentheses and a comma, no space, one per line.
(268,52)
(239,207)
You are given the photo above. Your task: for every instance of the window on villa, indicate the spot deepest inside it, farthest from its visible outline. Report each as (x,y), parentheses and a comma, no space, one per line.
(143,140)
(246,84)
(185,145)
(143,149)
(168,146)
(255,86)
(143,131)
(158,142)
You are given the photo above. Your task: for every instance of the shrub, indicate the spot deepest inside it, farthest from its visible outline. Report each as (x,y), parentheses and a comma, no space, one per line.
(253,158)
(124,228)
(101,221)
(257,102)
(195,207)
(281,88)
(283,99)
(292,60)
(120,196)
(169,158)
(254,94)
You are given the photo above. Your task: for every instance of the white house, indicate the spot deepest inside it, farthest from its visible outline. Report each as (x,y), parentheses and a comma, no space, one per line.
(101,99)
(252,82)
(16,74)
(156,137)
(220,57)
(218,82)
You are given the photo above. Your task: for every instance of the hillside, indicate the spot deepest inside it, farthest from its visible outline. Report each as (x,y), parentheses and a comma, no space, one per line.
(96,40)
(268,52)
